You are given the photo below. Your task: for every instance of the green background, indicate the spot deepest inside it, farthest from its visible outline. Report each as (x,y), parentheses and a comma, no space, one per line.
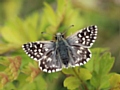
(23,21)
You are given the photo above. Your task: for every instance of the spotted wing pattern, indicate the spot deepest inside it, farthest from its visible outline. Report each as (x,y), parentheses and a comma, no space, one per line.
(46,53)
(37,50)
(79,43)
(43,52)
(79,55)
(85,37)
(51,62)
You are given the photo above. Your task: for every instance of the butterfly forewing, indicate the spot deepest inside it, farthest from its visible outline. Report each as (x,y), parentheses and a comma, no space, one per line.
(37,50)
(85,37)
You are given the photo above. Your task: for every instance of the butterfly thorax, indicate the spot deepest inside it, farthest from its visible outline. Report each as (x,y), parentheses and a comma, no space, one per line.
(62,49)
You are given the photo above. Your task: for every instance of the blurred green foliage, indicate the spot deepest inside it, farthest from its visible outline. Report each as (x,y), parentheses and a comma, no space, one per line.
(18,25)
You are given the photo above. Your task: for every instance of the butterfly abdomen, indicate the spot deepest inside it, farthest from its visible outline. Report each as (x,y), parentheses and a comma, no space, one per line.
(63,52)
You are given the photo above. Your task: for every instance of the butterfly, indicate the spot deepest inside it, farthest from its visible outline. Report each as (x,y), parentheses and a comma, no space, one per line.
(63,52)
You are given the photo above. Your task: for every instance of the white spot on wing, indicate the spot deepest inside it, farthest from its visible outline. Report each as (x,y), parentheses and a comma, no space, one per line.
(46,49)
(44,57)
(83,42)
(88,30)
(88,39)
(93,40)
(49,71)
(81,63)
(79,51)
(53,65)
(83,38)
(84,62)
(95,26)
(81,48)
(76,41)
(31,56)
(39,50)
(30,44)
(58,69)
(41,54)
(77,65)
(49,60)
(35,58)
(43,62)
(38,55)
(87,36)
(41,68)
(35,53)
(79,35)
(35,50)
(96,31)
(53,70)
(23,46)
(95,37)
(45,70)
(40,45)
(85,33)
(87,59)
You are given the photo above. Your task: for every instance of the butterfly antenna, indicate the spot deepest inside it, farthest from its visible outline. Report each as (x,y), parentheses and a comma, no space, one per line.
(68,29)
(45,33)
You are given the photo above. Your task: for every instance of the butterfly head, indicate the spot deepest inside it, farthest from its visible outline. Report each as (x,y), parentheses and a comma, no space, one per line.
(59,36)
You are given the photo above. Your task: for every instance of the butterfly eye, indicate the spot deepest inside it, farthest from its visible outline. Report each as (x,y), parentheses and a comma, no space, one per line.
(62,35)
(55,37)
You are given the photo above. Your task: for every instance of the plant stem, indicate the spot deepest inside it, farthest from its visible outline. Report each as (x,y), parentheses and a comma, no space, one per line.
(84,85)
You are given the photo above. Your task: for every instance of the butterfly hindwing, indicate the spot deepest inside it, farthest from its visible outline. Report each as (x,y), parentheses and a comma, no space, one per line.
(50,63)
(85,37)
(80,55)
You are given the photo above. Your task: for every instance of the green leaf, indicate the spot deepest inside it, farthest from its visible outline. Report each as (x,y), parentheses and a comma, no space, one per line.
(95,80)
(9,86)
(40,83)
(71,82)
(8,47)
(79,74)
(68,71)
(4,61)
(106,61)
(30,25)
(50,14)
(61,6)
(104,82)
(84,74)
(101,65)
(115,81)
(11,35)
(53,76)
(43,25)
(100,81)
(16,83)
(94,61)
(19,31)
